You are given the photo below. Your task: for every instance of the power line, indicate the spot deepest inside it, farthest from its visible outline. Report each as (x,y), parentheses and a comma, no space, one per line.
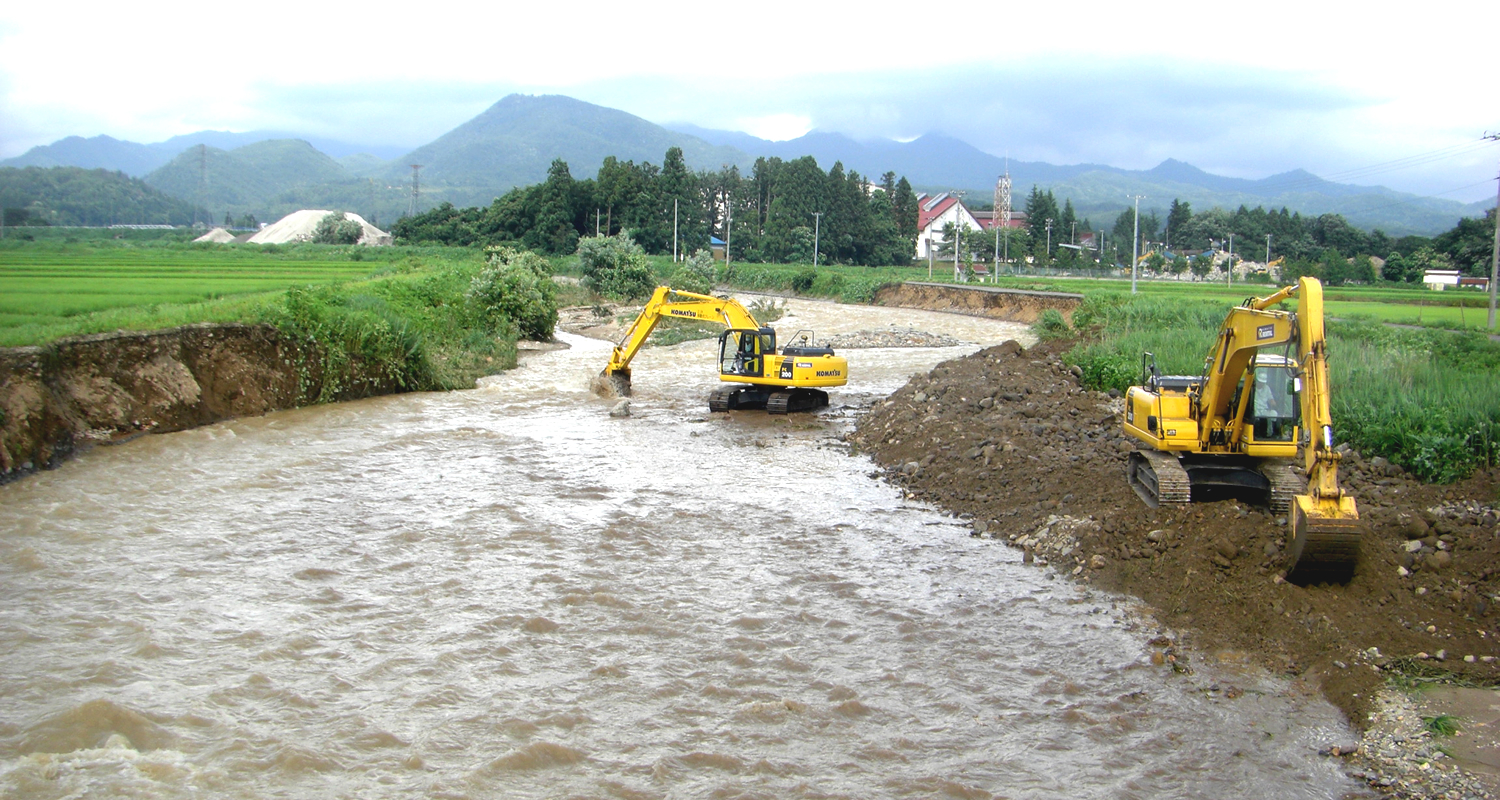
(1412,202)
(1407,162)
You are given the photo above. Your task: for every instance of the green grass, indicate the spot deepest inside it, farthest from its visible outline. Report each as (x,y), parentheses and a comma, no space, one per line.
(1441,725)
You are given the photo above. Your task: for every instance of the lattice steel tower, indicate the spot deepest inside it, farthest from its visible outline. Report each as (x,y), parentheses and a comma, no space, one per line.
(416,191)
(1002,207)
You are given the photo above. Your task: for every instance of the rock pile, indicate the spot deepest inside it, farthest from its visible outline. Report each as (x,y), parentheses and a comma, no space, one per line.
(895,337)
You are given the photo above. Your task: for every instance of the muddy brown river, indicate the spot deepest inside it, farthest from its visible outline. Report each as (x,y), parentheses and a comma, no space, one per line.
(506,593)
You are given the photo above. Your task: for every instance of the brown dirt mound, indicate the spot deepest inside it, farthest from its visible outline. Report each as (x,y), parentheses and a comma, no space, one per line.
(1008,437)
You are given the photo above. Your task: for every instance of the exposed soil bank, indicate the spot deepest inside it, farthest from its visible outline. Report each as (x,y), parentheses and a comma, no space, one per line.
(984,301)
(1008,437)
(73,393)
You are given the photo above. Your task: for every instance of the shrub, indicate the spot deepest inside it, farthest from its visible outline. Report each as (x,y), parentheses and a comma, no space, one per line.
(335,228)
(615,267)
(516,286)
(695,275)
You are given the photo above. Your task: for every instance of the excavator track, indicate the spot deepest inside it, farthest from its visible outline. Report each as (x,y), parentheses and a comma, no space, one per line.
(1323,549)
(721,399)
(1285,484)
(1159,478)
(730,398)
(796,400)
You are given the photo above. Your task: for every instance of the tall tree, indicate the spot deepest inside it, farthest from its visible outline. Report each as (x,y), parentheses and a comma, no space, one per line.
(904,206)
(1178,218)
(555,230)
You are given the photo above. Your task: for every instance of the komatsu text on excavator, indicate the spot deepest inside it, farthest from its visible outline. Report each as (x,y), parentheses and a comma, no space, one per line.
(793,379)
(1236,429)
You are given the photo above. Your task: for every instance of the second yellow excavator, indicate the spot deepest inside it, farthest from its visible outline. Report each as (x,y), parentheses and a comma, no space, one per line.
(793,379)
(1236,428)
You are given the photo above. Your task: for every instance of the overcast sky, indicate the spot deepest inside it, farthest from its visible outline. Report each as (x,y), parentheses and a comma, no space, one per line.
(1399,95)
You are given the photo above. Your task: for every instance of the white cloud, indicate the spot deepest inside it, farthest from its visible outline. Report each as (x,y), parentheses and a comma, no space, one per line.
(1242,90)
(775,127)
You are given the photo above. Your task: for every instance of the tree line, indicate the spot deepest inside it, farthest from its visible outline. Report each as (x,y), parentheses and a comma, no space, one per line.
(1325,246)
(781,212)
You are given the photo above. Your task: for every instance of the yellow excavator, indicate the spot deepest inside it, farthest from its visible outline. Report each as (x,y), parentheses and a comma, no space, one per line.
(1236,428)
(793,379)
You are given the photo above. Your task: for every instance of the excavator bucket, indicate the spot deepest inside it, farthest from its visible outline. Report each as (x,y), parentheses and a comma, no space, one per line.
(1325,540)
(611,385)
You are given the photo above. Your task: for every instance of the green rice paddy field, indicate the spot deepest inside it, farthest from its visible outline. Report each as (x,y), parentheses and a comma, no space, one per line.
(50,289)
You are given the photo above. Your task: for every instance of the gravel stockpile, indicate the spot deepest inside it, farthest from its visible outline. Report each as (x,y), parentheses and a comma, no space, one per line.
(299,226)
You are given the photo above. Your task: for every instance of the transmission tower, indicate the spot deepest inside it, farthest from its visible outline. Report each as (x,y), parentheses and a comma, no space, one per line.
(1002,207)
(203,187)
(416,191)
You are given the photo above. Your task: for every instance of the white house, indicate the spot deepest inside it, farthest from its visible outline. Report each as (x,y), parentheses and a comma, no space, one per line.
(936,212)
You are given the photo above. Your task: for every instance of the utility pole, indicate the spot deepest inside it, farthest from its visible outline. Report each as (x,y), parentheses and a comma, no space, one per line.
(1135,240)
(416,191)
(674,230)
(728,229)
(1495,253)
(817,226)
(1229,265)
(958,230)
(1049,239)
(1268,254)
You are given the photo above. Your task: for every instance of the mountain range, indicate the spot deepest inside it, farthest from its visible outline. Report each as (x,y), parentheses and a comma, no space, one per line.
(512,143)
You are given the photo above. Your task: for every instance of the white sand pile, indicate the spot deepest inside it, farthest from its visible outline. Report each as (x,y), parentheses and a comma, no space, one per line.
(217,236)
(298,226)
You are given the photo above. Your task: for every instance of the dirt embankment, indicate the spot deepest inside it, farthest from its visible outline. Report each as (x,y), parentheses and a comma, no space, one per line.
(1008,437)
(78,392)
(983,301)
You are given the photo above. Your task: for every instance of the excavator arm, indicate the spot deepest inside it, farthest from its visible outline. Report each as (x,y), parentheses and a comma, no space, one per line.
(1325,522)
(669,302)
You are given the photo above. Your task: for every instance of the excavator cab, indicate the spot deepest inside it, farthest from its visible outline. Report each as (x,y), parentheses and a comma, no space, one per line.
(742,351)
(1273,400)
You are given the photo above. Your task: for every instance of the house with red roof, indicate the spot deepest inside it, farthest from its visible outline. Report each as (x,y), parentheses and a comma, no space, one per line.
(936,212)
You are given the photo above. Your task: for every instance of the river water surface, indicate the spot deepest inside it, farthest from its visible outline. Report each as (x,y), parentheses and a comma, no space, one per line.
(505,592)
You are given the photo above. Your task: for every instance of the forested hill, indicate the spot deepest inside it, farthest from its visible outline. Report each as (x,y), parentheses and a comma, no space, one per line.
(515,140)
(249,177)
(92,197)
